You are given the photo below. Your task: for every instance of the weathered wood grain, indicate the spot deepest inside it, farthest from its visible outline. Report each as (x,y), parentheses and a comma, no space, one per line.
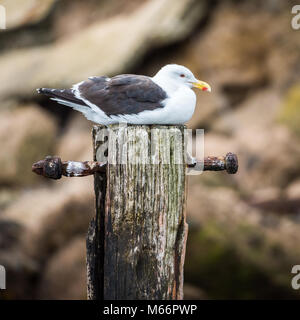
(136,244)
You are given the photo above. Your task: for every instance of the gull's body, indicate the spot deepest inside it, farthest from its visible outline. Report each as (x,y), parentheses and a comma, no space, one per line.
(166,98)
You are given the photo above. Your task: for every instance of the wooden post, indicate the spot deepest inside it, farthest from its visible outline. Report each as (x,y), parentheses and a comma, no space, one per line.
(136,243)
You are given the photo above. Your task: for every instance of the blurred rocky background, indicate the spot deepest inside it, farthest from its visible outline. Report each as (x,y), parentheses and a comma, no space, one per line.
(244,229)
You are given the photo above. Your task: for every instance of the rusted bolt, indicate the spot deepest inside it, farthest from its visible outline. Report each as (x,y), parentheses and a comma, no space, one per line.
(211,163)
(231,163)
(54,168)
(50,167)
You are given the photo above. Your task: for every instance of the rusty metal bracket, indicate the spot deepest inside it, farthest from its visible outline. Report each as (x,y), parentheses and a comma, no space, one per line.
(53,167)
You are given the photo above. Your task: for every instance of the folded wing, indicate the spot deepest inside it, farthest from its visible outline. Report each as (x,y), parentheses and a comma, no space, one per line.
(121,95)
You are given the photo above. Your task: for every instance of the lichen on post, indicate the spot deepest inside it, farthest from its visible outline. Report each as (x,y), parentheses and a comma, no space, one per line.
(136,244)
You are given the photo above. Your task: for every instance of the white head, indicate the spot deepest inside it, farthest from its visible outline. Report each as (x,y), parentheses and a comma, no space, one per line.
(177,76)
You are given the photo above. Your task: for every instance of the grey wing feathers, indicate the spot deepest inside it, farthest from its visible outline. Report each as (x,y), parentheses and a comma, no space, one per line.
(123,94)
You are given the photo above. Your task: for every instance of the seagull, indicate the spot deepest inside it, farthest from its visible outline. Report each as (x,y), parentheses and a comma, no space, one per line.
(166,98)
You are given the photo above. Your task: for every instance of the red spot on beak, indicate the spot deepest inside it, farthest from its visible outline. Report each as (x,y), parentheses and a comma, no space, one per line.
(204,89)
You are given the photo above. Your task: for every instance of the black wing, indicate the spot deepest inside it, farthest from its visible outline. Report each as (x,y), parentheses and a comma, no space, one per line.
(123,94)
(64,94)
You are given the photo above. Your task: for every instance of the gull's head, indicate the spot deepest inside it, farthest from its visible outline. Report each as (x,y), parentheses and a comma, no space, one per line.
(178,75)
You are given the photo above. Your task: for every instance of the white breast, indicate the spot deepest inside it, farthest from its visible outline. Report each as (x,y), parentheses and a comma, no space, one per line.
(178,109)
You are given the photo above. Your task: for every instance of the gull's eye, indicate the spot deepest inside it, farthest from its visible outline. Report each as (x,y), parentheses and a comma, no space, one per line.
(182,75)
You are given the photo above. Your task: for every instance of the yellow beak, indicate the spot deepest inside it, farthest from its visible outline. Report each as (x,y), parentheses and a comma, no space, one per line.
(202,85)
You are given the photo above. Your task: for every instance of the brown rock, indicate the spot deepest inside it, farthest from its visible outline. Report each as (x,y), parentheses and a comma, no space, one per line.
(293,190)
(23,12)
(193,293)
(289,113)
(99,49)
(75,144)
(265,195)
(50,216)
(237,60)
(266,155)
(20,268)
(27,134)
(265,241)
(64,276)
